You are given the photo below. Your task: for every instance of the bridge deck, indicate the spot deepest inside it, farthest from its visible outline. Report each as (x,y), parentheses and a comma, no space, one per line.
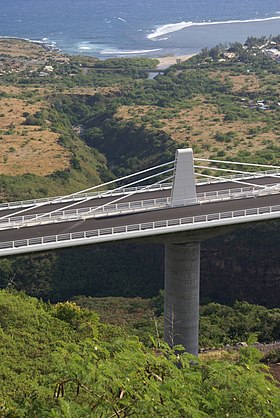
(129,219)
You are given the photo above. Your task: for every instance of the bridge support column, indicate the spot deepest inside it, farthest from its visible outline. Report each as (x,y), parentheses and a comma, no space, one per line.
(181,304)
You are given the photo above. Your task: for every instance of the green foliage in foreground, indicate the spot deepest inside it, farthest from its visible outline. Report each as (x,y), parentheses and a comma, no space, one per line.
(60,361)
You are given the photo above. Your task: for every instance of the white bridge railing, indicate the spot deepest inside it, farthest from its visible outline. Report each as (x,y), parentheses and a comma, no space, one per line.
(131,207)
(83,196)
(239,176)
(138,230)
(238,193)
(84,213)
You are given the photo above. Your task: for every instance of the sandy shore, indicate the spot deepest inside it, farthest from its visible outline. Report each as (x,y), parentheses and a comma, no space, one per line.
(165,62)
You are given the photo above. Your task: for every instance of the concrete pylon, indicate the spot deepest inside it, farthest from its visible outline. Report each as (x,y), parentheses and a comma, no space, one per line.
(181,304)
(183,189)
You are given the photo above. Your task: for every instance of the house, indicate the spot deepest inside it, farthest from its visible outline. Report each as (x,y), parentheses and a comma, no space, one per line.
(230,55)
(48,68)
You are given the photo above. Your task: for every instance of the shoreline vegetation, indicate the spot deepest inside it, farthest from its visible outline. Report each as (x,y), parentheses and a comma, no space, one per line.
(51,47)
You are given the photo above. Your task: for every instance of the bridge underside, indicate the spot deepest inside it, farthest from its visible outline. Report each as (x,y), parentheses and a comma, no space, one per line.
(180,217)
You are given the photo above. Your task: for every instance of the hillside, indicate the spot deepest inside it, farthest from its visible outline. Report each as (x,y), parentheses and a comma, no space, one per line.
(41,154)
(72,122)
(84,121)
(220,107)
(90,118)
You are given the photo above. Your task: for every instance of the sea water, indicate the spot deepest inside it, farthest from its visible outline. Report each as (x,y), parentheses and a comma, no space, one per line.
(107,28)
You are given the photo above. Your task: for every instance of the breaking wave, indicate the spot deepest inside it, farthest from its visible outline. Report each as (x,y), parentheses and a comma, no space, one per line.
(136,52)
(175,27)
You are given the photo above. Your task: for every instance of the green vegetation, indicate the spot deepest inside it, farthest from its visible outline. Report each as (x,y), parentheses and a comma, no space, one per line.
(133,63)
(223,86)
(106,271)
(111,119)
(104,141)
(60,361)
(219,324)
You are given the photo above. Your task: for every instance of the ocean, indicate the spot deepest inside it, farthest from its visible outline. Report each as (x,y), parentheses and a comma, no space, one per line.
(115,28)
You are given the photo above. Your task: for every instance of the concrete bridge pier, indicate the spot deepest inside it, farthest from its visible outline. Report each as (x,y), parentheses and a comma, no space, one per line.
(181,304)
(182,266)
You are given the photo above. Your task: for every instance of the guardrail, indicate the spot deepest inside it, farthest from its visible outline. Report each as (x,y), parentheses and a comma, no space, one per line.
(245,176)
(163,186)
(84,213)
(82,196)
(139,230)
(131,207)
(238,193)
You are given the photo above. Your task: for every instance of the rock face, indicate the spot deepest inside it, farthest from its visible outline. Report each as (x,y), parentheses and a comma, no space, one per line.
(244,265)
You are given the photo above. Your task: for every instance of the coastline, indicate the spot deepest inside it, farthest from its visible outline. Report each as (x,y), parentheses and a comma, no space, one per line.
(111,31)
(164,61)
(51,47)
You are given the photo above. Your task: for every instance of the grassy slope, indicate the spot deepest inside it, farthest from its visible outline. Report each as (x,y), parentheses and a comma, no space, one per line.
(207,105)
(202,121)
(40,155)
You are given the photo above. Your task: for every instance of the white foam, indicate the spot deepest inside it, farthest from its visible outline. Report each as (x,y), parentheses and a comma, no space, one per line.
(118,52)
(86,46)
(121,19)
(175,27)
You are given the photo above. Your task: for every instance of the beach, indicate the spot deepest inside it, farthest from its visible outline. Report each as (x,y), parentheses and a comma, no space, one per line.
(165,62)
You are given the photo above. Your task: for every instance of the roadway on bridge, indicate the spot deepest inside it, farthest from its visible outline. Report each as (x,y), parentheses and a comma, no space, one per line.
(136,218)
(98,201)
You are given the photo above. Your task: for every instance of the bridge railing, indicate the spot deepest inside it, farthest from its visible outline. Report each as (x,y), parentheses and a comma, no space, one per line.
(130,207)
(86,212)
(82,196)
(140,229)
(238,193)
(163,186)
(244,176)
